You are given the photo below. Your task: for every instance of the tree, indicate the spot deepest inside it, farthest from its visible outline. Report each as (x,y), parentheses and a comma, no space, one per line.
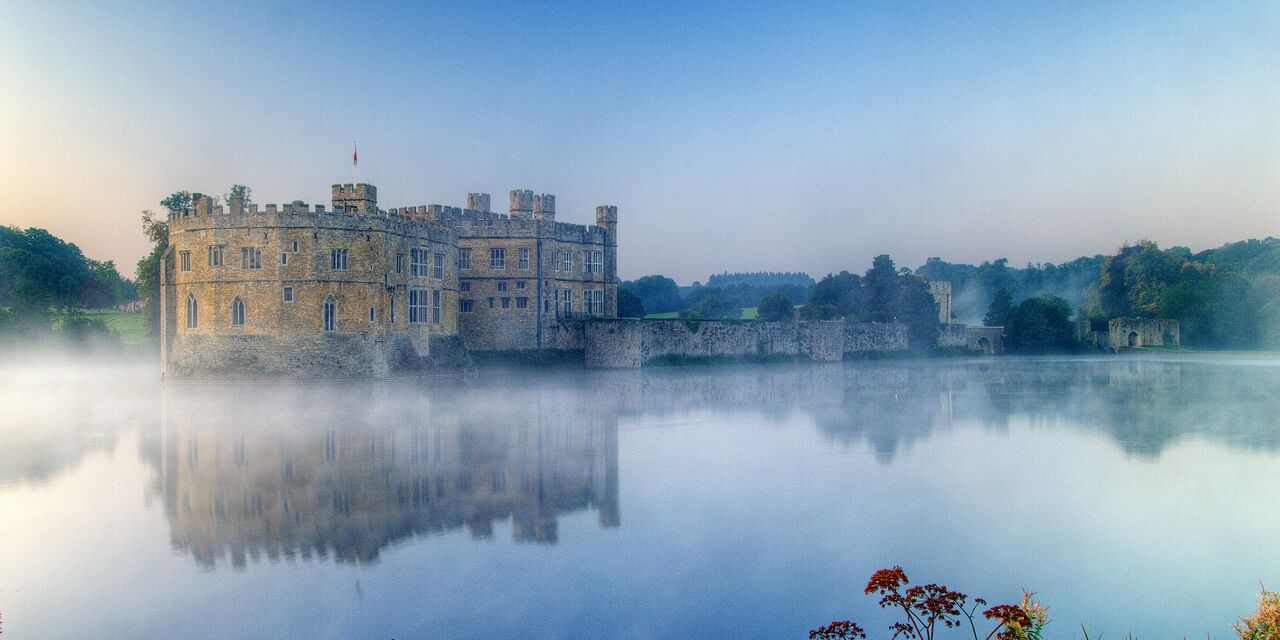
(841,293)
(240,191)
(177,202)
(1040,324)
(881,287)
(713,308)
(998,312)
(629,304)
(776,307)
(658,294)
(915,307)
(147,277)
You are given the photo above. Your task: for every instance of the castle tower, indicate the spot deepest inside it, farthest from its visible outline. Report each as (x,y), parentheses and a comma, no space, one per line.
(544,207)
(942,295)
(521,203)
(355,198)
(478,202)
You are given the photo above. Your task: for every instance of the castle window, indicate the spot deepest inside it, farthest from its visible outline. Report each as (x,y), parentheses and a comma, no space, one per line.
(437,266)
(599,295)
(524,258)
(435,307)
(418,262)
(330,314)
(568,301)
(417,306)
(497,258)
(215,255)
(464,258)
(546,305)
(288,294)
(566,261)
(372,316)
(237,312)
(184,260)
(193,318)
(284,258)
(338,259)
(587,304)
(393,308)
(491,302)
(464,285)
(522,302)
(294,246)
(250,258)
(399,263)
(502,285)
(465,306)
(506,302)
(592,262)
(520,284)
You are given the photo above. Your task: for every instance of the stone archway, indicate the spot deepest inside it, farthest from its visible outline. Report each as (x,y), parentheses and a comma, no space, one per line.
(984,345)
(1134,341)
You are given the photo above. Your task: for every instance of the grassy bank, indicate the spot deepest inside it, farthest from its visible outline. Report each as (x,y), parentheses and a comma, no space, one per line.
(748,313)
(131,327)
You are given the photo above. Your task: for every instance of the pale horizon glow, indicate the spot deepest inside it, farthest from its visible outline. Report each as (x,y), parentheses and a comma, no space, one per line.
(730,136)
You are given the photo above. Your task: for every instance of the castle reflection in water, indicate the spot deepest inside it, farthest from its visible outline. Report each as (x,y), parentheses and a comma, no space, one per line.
(343,470)
(303,471)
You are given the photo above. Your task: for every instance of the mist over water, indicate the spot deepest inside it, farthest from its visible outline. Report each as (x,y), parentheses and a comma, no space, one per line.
(1132,494)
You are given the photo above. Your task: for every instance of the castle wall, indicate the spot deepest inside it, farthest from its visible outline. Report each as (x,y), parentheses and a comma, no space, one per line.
(631,343)
(1143,332)
(993,336)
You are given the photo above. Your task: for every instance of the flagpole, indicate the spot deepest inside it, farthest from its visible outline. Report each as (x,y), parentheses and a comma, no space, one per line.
(355,160)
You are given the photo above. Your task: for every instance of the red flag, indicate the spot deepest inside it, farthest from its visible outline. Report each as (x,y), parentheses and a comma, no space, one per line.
(355,155)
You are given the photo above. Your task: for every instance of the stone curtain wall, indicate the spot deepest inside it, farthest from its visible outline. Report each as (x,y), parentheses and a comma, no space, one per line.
(1151,333)
(629,343)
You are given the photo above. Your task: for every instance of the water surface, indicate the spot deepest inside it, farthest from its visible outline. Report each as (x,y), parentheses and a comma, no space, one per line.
(1131,494)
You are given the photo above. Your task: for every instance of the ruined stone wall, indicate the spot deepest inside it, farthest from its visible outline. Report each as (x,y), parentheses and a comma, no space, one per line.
(984,339)
(630,343)
(952,336)
(1143,332)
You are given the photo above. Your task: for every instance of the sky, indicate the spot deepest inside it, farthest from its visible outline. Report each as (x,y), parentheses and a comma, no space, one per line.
(733,136)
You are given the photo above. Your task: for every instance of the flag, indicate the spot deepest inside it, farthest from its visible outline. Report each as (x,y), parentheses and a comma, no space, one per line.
(355,155)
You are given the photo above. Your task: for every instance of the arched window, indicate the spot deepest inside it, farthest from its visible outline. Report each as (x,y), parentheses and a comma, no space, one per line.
(330,314)
(237,312)
(192,312)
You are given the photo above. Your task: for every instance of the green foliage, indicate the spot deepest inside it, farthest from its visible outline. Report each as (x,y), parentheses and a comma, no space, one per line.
(176,203)
(776,307)
(629,304)
(147,277)
(658,294)
(813,311)
(880,287)
(1040,324)
(240,191)
(915,307)
(836,296)
(713,308)
(998,312)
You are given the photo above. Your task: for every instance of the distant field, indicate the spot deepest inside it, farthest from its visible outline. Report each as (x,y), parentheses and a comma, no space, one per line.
(131,327)
(748,313)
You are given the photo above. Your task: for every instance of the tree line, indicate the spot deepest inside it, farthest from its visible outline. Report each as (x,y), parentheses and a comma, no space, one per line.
(47,283)
(1226,297)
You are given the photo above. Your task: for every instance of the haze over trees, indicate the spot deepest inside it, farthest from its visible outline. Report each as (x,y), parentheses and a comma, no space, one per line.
(46,283)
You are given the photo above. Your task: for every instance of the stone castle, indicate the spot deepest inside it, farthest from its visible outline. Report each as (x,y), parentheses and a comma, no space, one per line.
(358,291)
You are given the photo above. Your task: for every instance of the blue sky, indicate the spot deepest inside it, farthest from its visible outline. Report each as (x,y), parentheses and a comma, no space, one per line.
(734,136)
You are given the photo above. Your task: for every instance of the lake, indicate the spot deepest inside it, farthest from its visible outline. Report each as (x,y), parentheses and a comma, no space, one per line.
(1132,494)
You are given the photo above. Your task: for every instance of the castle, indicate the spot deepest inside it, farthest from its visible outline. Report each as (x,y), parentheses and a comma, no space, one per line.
(357,291)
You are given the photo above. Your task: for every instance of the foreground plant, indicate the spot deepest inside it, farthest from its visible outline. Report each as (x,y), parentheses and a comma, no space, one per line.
(1264,624)
(931,608)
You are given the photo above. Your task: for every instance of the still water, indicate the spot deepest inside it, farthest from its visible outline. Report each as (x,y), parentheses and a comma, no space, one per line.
(1133,495)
